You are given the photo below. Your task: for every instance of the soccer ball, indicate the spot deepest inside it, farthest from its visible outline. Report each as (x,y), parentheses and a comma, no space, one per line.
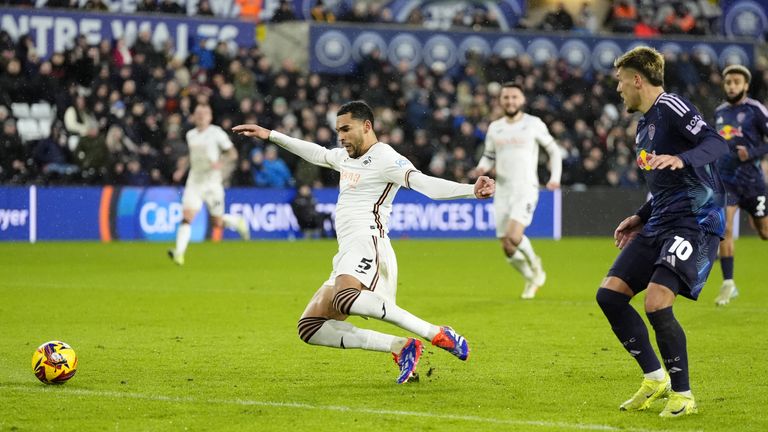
(54,362)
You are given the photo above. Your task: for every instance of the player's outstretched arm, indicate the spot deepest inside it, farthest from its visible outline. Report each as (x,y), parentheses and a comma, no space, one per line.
(309,151)
(441,189)
(252,130)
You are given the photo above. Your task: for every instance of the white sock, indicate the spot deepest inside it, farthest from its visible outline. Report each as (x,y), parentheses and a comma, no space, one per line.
(230,222)
(518,261)
(526,249)
(182,237)
(370,304)
(340,334)
(686,393)
(656,375)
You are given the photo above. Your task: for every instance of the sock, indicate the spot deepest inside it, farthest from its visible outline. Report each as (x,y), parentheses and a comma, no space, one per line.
(656,375)
(526,249)
(182,237)
(369,304)
(726,265)
(340,334)
(522,265)
(670,338)
(629,327)
(230,222)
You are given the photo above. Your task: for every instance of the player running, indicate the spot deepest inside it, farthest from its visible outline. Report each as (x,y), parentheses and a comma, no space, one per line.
(512,147)
(363,281)
(669,245)
(209,149)
(743,122)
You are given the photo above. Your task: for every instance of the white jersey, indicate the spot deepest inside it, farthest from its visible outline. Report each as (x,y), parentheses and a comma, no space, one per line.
(514,149)
(368,184)
(205,148)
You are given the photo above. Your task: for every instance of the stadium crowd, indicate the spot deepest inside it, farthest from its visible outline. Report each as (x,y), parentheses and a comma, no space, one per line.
(645,18)
(121,112)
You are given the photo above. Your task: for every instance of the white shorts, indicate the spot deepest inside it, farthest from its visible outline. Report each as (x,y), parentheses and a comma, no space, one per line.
(371,260)
(518,206)
(211,193)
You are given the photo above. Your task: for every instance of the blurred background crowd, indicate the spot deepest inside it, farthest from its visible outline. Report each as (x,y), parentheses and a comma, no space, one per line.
(118,114)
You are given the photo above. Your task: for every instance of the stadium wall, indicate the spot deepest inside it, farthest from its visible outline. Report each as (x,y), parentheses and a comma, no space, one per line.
(152,214)
(30,214)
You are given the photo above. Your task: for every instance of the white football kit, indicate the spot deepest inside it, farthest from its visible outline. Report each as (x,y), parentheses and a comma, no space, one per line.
(204,184)
(513,148)
(367,187)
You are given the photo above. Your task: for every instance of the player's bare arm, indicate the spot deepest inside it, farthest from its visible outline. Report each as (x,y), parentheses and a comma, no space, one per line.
(252,130)
(627,230)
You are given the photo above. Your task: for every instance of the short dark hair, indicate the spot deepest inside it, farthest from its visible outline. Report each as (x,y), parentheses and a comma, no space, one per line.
(358,109)
(645,60)
(510,84)
(738,69)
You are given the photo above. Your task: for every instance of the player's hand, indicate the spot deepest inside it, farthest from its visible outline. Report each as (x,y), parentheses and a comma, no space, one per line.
(666,161)
(627,230)
(743,153)
(553,186)
(484,187)
(252,130)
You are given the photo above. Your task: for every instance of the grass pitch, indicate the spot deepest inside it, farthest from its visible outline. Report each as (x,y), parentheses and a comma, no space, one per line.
(213,345)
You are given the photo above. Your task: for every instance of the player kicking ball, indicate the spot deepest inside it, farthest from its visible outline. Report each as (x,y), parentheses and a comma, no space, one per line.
(363,281)
(209,149)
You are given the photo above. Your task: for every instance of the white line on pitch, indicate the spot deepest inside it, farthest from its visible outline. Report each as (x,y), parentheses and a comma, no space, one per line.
(305,406)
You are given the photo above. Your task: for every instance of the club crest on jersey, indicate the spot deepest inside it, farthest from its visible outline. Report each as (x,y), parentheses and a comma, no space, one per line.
(651,131)
(728,132)
(644,159)
(402,163)
(740,117)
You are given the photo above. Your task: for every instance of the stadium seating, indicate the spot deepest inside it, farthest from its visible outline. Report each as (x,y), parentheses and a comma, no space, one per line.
(34,121)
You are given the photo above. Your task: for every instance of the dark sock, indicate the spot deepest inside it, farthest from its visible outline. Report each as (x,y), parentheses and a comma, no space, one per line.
(629,327)
(726,265)
(670,338)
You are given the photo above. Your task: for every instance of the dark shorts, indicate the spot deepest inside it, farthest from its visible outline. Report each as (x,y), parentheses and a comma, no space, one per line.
(680,260)
(750,198)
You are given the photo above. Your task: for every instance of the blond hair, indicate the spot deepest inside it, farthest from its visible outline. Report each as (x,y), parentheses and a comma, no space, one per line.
(645,60)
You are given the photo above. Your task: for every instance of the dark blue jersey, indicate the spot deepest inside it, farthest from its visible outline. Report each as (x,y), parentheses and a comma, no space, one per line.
(692,197)
(744,124)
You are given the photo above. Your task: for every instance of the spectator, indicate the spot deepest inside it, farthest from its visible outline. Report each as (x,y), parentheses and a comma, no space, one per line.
(268,169)
(321,13)
(284,12)
(622,17)
(679,21)
(13,167)
(311,221)
(557,20)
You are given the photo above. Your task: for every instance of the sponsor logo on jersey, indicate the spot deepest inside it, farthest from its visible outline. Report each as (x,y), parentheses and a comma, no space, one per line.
(644,159)
(728,132)
(402,163)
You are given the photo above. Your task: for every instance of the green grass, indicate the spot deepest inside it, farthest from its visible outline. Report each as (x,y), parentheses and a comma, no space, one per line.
(213,345)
